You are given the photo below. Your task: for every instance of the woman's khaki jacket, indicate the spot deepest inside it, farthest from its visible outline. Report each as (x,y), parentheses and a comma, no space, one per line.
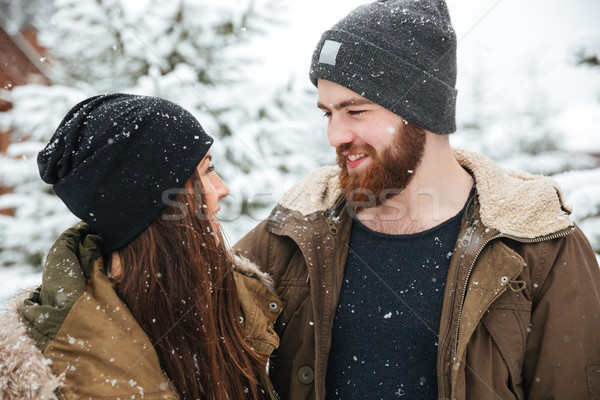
(521,311)
(73,337)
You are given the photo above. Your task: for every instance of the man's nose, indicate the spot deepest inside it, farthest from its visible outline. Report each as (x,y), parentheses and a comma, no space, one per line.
(339,133)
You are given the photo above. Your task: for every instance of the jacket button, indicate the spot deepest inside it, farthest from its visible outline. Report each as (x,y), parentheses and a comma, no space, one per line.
(306,375)
(273,306)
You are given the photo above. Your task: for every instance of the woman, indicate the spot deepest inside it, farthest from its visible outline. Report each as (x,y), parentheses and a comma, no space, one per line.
(140,300)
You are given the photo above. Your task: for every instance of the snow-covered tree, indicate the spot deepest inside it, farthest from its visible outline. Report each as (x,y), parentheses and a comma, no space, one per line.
(583,187)
(193,52)
(517,128)
(525,129)
(16,15)
(589,54)
(198,53)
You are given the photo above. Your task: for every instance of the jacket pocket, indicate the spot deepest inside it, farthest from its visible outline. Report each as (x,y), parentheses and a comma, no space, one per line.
(293,293)
(508,325)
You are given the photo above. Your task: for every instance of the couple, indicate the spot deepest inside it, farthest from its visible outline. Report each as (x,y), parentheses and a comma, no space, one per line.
(409,270)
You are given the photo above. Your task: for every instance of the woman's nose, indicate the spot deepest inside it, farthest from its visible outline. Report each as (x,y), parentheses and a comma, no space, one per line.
(221,187)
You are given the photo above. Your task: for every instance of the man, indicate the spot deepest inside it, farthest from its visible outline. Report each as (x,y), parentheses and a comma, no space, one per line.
(415,270)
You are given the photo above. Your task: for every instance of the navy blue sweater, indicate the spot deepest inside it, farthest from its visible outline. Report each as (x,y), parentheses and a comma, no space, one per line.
(385,333)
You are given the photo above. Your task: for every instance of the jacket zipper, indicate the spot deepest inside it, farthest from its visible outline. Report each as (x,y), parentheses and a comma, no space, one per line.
(333,229)
(464,294)
(562,233)
(468,220)
(272,393)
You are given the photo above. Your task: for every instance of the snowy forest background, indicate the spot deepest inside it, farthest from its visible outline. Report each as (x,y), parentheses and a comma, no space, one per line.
(529,97)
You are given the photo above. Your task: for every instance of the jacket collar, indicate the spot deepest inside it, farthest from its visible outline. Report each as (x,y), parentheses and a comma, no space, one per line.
(515,203)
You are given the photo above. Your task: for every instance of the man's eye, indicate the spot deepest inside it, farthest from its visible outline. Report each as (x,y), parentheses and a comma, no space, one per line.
(210,169)
(327,114)
(356,112)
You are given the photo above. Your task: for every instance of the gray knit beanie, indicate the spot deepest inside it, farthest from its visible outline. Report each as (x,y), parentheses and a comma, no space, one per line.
(400,54)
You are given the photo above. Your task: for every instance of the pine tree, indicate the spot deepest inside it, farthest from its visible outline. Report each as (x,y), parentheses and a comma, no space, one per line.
(583,187)
(193,52)
(16,15)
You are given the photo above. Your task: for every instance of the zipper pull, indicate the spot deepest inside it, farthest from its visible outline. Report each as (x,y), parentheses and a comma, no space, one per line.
(468,220)
(465,241)
(329,218)
(331,225)
(330,215)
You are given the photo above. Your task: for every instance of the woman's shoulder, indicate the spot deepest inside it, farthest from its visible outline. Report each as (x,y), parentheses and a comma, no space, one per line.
(98,350)
(260,305)
(84,331)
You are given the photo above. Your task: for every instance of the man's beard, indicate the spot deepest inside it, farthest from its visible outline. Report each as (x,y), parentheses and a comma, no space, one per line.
(389,173)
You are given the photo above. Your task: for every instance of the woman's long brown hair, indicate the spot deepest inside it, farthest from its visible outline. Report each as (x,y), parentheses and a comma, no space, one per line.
(177,280)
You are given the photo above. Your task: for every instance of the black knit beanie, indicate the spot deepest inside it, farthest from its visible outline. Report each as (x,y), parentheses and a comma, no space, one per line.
(400,54)
(113,156)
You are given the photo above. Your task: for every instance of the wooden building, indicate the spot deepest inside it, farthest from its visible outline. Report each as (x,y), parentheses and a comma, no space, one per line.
(22,61)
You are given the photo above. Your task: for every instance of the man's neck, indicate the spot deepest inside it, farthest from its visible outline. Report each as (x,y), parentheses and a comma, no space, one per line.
(437,192)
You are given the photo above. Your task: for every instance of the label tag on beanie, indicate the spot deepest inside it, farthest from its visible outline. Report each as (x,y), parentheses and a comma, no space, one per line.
(329,52)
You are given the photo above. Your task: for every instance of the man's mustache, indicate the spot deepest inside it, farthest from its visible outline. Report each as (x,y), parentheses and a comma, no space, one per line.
(354,148)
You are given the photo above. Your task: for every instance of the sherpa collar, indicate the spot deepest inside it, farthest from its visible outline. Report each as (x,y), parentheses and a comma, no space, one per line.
(514,203)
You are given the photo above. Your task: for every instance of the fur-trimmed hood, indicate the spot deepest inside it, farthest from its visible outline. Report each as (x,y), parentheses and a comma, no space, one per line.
(514,203)
(248,268)
(24,372)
